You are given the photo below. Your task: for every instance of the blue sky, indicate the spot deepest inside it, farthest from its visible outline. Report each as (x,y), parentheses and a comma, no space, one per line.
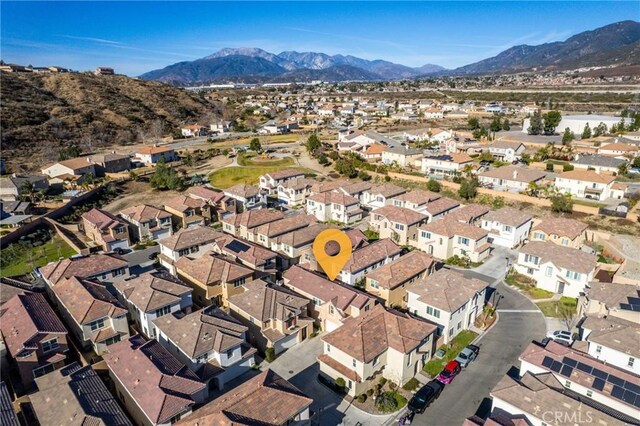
(135,37)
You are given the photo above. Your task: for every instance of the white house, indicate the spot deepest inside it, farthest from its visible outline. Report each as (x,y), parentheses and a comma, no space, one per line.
(381,195)
(334,206)
(587,184)
(507,151)
(615,341)
(445,164)
(511,178)
(508,227)
(556,268)
(193,242)
(448,237)
(367,258)
(270,181)
(153,154)
(403,156)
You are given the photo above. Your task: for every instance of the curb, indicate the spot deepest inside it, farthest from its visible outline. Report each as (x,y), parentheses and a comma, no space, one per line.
(480,336)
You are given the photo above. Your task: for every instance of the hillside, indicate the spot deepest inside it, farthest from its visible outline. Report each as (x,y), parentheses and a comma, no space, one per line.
(617,44)
(42,113)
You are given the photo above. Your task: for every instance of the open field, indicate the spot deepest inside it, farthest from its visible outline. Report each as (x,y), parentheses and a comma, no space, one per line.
(22,260)
(134,193)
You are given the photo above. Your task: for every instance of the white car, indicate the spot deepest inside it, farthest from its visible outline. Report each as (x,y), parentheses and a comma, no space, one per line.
(562,335)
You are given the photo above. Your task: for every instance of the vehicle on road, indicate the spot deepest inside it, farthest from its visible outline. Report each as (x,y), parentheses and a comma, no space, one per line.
(468,355)
(451,370)
(561,335)
(153,255)
(425,396)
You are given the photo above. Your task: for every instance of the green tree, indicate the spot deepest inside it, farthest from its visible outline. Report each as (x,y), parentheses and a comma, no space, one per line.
(313,143)
(586,133)
(434,186)
(255,145)
(506,125)
(567,136)
(636,162)
(551,121)
(473,123)
(486,156)
(526,158)
(561,203)
(346,168)
(496,125)
(468,188)
(535,124)
(599,130)
(481,132)
(166,177)
(623,169)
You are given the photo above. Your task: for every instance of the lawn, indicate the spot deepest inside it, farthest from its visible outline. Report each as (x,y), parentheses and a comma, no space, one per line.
(453,348)
(555,309)
(250,161)
(24,260)
(229,176)
(527,285)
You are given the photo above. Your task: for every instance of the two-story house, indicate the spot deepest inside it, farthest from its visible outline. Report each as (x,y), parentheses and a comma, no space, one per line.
(242,224)
(106,230)
(382,342)
(381,195)
(389,282)
(610,300)
(269,182)
(247,197)
(106,268)
(587,184)
(447,238)
(276,317)
(334,207)
(416,200)
(332,302)
(353,189)
(556,268)
(111,163)
(267,235)
(214,278)
(397,223)
(511,178)
(402,156)
(193,242)
(615,341)
(445,164)
(440,208)
(220,205)
(210,342)
(449,299)
(560,230)
(93,315)
(148,223)
(471,214)
(507,151)
(294,192)
(154,154)
(152,295)
(33,336)
(297,246)
(189,211)
(508,227)
(265,262)
(368,258)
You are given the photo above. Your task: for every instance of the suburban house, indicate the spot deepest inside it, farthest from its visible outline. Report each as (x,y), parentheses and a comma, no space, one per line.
(398,223)
(294,192)
(334,207)
(106,268)
(614,341)
(106,230)
(111,163)
(154,154)
(93,315)
(378,342)
(214,278)
(560,230)
(556,268)
(154,387)
(220,204)
(619,149)
(242,224)
(389,282)
(266,399)
(73,167)
(587,184)
(507,151)
(152,295)
(373,153)
(449,299)
(270,181)
(367,258)
(355,190)
(188,211)
(440,208)
(598,163)
(210,342)
(14,187)
(33,336)
(381,195)
(193,242)
(262,260)
(332,302)
(511,178)
(445,164)
(148,223)
(70,385)
(193,130)
(267,235)
(298,244)
(402,156)
(416,200)
(446,238)
(610,300)
(471,214)
(508,227)
(276,317)
(248,197)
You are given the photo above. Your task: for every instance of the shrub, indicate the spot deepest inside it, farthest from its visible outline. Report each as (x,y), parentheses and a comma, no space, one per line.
(387,402)
(362,398)
(411,385)
(383,381)
(549,167)
(567,167)
(270,354)
(561,203)
(340,383)
(387,178)
(434,186)
(392,386)
(369,392)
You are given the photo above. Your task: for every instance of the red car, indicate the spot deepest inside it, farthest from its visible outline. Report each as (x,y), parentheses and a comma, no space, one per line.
(450,371)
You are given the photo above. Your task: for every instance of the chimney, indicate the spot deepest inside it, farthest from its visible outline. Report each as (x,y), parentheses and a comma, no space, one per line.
(515,174)
(88,159)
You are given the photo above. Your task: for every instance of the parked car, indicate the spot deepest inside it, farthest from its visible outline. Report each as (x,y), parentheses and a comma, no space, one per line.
(467,355)
(119,251)
(451,370)
(561,335)
(154,255)
(425,396)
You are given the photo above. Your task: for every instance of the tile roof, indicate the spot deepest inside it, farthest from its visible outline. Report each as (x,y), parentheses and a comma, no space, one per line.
(143,213)
(266,399)
(182,203)
(87,301)
(285,225)
(370,334)
(153,150)
(506,145)
(400,215)
(561,256)
(102,219)
(371,254)
(201,332)
(243,190)
(598,160)
(514,173)
(265,302)
(619,146)
(252,218)
(561,226)
(587,176)
(298,278)
(76,163)
(304,236)
(402,269)
(151,291)
(418,197)
(328,186)
(160,384)
(387,190)
(284,174)
(404,150)
(82,267)
(297,183)
(212,269)
(339,367)
(441,205)
(25,316)
(508,216)
(243,250)
(189,237)
(615,333)
(205,194)
(333,198)
(451,227)
(446,289)
(8,416)
(613,295)
(469,213)
(352,188)
(458,158)
(87,401)
(375,149)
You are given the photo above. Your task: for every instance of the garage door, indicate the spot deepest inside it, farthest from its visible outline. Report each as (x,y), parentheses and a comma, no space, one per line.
(330,325)
(123,244)
(286,343)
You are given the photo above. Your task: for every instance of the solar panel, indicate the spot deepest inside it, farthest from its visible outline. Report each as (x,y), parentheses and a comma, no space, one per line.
(547,361)
(556,366)
(570,362)
(566,370)
(584,367)
(617,392)
(598,384)
(637,403)
(237,246)
(599,373)
(615,380)
(629,397)
(632,387)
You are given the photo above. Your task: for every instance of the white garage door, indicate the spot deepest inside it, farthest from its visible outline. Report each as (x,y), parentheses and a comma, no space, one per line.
(123,244)
(286,343)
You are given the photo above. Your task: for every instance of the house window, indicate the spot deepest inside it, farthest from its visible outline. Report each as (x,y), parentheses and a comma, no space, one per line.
(316,301)
(41,371)
(598,349)
(531,259)
(353,362)
(163,311)
(189,213)
(572,275)
(589,393)
(183,252)
(328,347)
(399,227)
(376,360)
(230,353)
(565,242)
(118,272)
(331,309)
(112,340)
(409,359)
(631,361)
(97,324)
(507,228)
(459,325)
(374,284)
(549,271)
(433,312)
(567,383)
(463,241)
(539,236)
(450,332)
(239,281)
(50,345)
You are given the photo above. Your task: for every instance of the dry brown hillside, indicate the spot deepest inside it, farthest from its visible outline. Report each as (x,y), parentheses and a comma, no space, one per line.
(42,114)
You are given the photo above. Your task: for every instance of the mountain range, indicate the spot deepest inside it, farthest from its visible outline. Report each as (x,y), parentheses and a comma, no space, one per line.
(616,44)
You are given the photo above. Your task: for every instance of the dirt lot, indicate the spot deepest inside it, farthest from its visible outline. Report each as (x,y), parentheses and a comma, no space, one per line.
(138,193)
